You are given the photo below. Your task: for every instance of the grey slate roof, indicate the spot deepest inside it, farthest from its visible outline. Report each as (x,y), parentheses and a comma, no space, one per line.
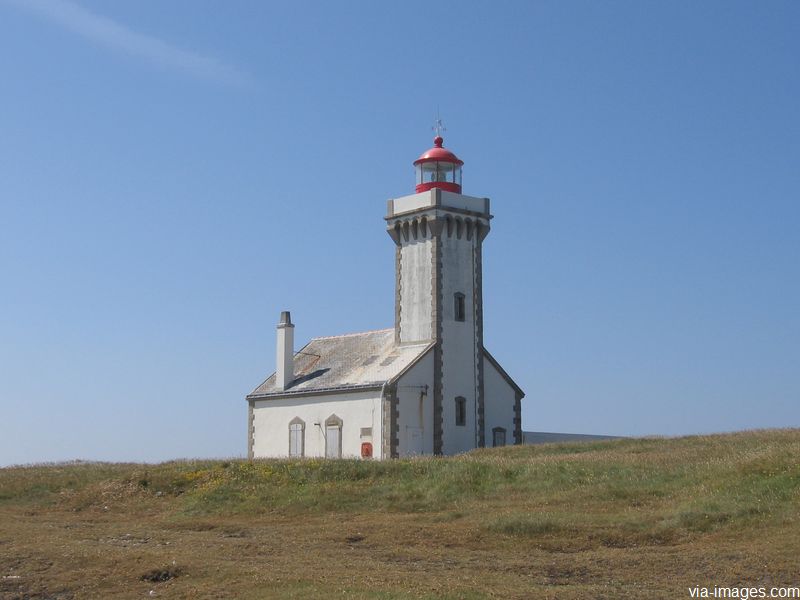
(343,362)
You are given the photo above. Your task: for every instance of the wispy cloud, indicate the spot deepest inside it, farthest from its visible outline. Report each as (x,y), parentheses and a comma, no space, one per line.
(114,35)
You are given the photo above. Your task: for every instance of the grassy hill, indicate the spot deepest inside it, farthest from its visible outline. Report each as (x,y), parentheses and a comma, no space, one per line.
(630,518)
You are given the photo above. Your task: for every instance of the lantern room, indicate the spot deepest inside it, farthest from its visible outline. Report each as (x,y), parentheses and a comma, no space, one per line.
(438,168)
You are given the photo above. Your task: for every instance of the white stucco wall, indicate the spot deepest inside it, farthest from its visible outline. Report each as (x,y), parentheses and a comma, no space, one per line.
(415,291)
(412,202)
(428,199)
(356,409)
(459,344)
(415,405)
(463,202)
(498,403)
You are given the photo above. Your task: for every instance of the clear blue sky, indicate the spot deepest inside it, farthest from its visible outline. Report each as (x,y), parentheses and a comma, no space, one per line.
(173,174)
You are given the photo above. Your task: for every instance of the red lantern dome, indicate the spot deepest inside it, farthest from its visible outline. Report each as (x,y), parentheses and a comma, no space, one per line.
(438,168)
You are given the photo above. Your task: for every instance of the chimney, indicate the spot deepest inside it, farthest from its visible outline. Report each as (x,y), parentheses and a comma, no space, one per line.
(284,373)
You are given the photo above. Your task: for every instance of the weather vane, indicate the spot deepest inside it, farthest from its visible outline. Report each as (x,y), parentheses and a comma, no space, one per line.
(438,126)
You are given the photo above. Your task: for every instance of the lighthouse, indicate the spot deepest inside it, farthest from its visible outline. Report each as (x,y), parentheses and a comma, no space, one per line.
(427,385)
(438,233)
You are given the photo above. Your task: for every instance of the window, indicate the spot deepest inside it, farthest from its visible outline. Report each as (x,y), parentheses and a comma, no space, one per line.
(498,437)
(297,436)
(460,310)
(333,437)
(461,411)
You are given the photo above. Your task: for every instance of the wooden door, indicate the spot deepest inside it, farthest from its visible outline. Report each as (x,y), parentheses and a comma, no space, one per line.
(414,441)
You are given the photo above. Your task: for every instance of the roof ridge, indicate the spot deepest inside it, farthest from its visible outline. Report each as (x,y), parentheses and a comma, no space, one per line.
(329,337)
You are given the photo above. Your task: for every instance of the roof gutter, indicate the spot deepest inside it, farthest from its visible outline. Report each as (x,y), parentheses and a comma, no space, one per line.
(314,392)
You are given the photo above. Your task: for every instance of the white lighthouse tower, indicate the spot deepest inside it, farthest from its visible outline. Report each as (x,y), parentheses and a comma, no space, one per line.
(439,235)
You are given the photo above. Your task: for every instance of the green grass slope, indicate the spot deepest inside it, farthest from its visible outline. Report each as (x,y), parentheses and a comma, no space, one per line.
(626,518)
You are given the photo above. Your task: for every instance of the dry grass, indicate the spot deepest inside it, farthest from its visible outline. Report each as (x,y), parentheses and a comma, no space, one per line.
(616,519)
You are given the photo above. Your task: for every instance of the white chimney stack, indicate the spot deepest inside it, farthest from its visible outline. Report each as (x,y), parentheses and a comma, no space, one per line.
(284,373)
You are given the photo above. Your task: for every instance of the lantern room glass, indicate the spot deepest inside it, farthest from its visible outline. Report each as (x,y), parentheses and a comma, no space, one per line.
(429,172)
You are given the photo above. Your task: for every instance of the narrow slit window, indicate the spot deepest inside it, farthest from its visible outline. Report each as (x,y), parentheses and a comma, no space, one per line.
(461,411)
(460,308)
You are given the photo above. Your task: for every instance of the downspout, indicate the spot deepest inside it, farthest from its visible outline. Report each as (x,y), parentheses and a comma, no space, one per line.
(475,383)
(383,420)
(475,350)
